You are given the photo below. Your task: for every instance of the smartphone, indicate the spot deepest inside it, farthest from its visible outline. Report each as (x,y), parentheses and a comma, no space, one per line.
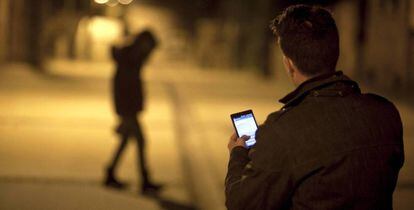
(245,124)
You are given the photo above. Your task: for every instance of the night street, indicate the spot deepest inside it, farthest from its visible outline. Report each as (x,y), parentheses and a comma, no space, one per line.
(133,104)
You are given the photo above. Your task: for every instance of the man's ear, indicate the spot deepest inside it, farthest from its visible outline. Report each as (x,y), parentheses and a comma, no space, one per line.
(289,65)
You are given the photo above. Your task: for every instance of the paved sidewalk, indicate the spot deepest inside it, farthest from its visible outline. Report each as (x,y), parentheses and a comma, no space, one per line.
(57,136)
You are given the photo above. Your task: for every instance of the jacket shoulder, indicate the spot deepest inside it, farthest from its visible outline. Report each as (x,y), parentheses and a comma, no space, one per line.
(273,116)
(378,98)
(380,101)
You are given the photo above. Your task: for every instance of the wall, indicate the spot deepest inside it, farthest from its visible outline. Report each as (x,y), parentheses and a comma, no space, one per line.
(27,33)
(236,36)
(18,44)
(345,14)
(411,45)
(4,25)
(386,49)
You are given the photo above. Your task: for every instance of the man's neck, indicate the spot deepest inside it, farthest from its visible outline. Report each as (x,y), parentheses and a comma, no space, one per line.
(300,78)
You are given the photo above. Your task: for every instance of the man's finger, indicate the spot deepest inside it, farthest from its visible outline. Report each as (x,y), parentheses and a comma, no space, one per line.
(245,138)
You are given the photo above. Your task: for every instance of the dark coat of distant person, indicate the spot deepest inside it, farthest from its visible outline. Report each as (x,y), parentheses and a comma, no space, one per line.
(128,90)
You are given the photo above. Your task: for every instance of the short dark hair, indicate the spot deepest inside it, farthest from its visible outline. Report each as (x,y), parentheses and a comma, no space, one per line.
(309,37)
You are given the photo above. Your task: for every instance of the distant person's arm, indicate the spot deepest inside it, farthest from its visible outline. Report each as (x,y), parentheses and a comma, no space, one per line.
(116,53)
(249,185)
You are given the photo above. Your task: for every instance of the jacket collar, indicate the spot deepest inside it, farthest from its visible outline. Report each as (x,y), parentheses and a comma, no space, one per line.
(315,83)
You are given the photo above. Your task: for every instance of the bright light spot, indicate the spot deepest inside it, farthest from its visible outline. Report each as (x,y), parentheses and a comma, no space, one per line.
(102,33)
(125,1)
(101,1)
(112,3)
(104,29)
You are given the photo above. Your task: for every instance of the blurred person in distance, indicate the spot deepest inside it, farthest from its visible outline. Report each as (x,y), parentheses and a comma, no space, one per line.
(330,146)
(128,98)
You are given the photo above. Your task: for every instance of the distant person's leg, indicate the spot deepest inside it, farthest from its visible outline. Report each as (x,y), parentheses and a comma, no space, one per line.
(117,155)
(111,180)
(147,185)
(141,155)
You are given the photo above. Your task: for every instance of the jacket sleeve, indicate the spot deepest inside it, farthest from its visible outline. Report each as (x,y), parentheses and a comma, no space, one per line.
(258,179)
(115,53)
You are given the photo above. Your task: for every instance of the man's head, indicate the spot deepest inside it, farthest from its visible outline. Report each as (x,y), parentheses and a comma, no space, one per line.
(309,39)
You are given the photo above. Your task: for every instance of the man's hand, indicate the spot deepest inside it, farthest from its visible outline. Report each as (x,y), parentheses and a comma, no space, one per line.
(237,142)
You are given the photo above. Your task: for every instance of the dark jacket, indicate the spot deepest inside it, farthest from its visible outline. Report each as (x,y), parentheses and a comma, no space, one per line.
(128,94)
(329,147)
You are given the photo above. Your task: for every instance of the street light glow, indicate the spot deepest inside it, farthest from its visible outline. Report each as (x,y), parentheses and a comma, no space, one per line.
(125,2)
(104,29)
(101,1)
(112,3)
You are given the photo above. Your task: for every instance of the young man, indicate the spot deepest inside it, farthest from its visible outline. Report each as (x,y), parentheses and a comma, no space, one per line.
(330,146)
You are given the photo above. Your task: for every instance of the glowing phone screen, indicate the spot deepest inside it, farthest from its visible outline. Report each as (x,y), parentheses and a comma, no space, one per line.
(246,125)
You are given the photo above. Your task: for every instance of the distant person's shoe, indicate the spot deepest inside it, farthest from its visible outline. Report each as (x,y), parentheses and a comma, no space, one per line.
(151,189)
(110,181)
